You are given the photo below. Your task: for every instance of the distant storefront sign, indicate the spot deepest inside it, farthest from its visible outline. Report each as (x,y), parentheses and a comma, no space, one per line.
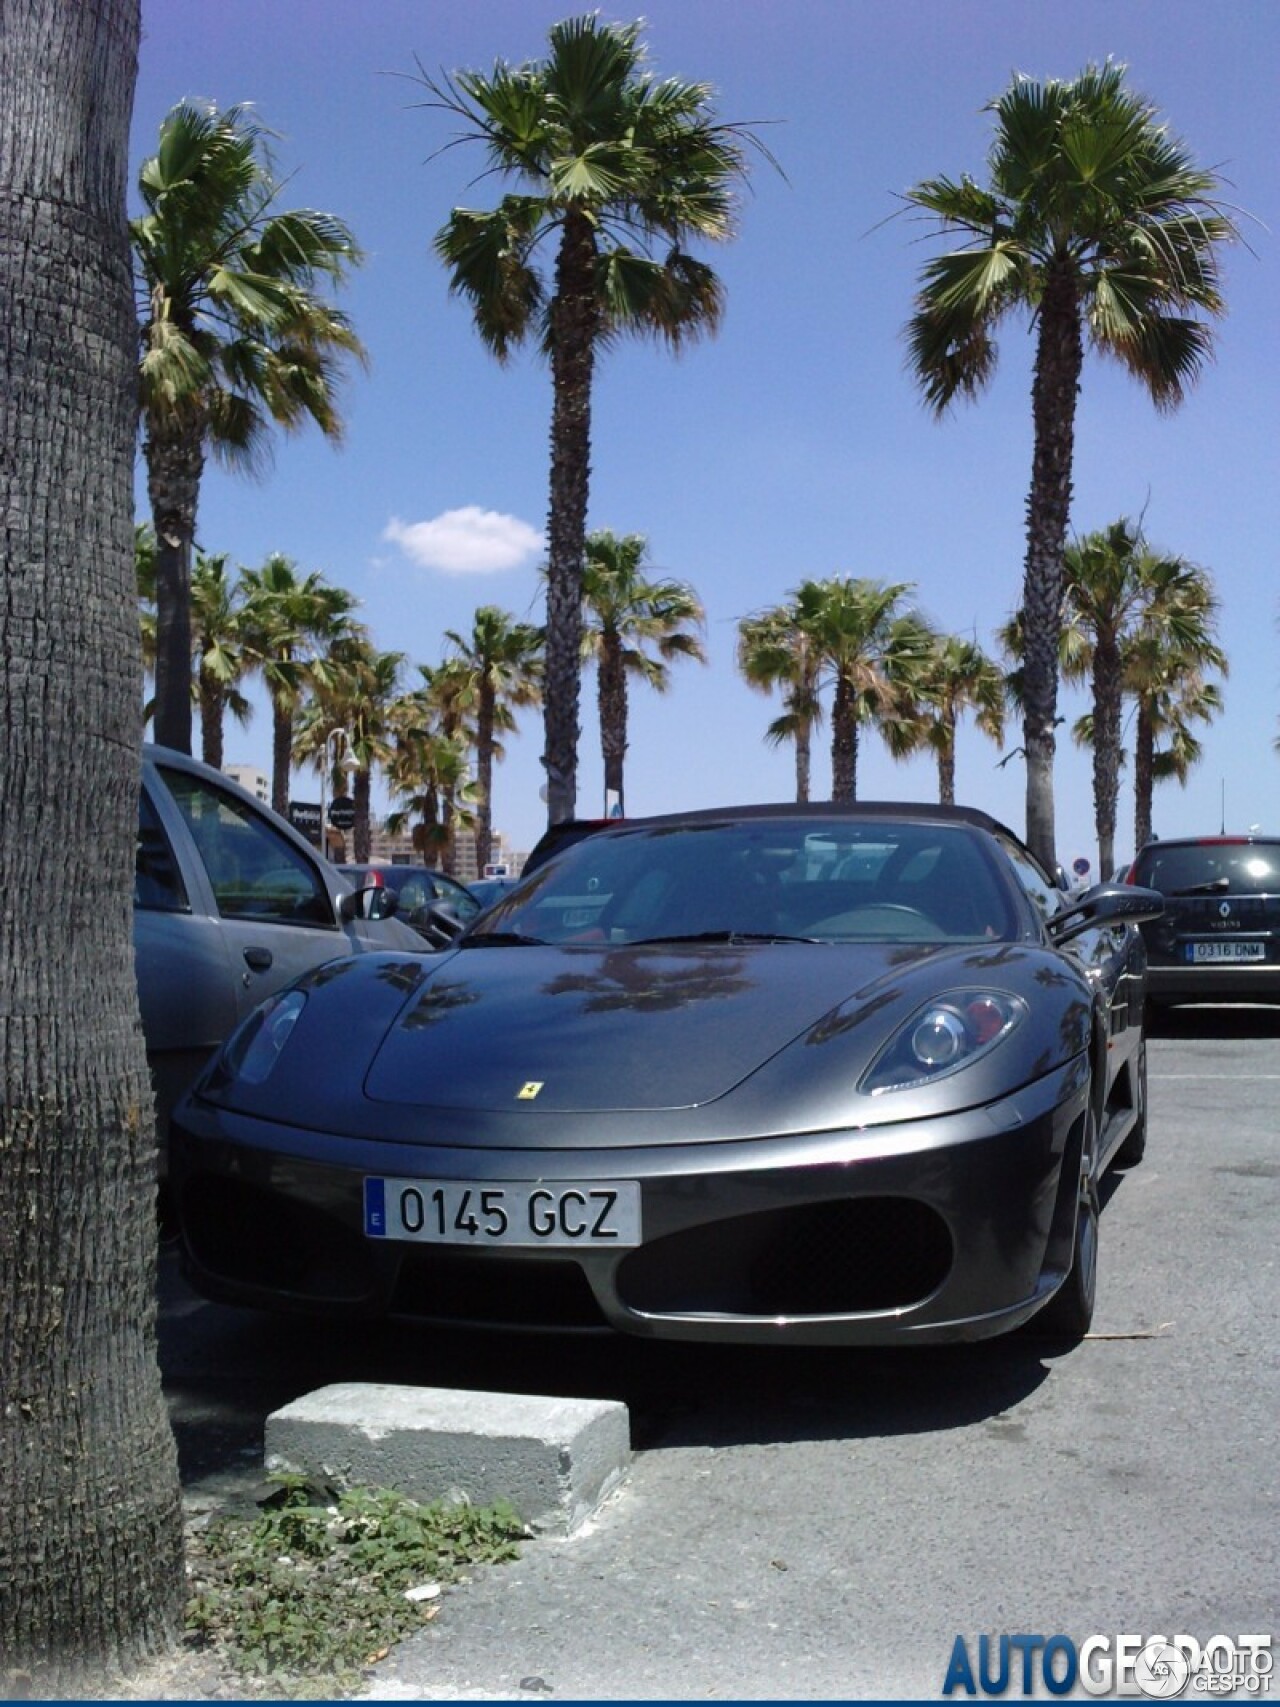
(304,815)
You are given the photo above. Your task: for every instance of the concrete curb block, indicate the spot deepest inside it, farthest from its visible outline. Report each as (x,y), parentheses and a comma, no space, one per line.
(553,1459)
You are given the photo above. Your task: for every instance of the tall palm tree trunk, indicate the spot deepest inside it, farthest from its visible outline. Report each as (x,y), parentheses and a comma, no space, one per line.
(611,687)
(90,1515)
(1143,777)
(574,323)
(282,756)
(804,760)
(175,463)
(844,743)
(430,830)
(448,858)
(484,776)
(1059,358)
(212,706)
(1107,714)
(361,792)
(947,757)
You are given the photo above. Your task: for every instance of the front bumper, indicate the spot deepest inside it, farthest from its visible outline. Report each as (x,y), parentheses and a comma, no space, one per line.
(1240,982)
(953,1228)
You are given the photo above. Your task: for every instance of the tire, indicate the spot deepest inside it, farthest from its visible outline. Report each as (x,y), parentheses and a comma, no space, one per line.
(1069,1313)
(1134,1147)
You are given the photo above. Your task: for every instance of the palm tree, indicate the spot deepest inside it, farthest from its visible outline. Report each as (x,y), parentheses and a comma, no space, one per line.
(498,667)
(956,676)
(1097,224)
(867,646)
(1106,593)
(91,1514)
(623,612)
(218,661)
(429,770)
(355,694)
(439,713)
(1167,663)
(775,652)
(291,623)
(617,172)
(234,338)
(220,664)
(870,648)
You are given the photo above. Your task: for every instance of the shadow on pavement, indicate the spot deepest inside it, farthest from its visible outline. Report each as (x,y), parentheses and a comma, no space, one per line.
(225,1370)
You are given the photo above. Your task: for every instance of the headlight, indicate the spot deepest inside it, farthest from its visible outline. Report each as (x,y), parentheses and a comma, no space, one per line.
(253,1050)
(949,1033)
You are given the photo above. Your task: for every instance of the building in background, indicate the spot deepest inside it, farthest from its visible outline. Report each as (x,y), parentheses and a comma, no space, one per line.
(257,782)
(385,847)
(398,849)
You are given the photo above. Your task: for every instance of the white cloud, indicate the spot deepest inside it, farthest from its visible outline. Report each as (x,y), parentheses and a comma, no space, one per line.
(469,541)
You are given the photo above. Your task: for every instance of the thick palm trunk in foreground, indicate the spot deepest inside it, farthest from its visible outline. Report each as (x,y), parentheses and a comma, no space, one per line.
(90,1522)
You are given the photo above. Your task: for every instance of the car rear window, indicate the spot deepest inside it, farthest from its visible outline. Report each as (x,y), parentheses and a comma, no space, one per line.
(1237,868)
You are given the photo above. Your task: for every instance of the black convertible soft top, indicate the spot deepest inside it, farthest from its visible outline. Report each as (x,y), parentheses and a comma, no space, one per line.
(572,830)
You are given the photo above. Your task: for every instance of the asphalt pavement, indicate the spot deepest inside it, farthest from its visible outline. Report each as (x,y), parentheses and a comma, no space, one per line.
(823,1524)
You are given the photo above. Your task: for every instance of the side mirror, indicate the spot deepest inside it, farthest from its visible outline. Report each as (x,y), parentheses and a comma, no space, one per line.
(373,902)
(1105,904)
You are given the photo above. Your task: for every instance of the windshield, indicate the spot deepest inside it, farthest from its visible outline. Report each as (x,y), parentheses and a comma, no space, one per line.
(772,879)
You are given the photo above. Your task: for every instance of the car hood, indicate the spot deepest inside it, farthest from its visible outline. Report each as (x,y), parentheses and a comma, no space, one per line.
(575,1029)
(581,1046)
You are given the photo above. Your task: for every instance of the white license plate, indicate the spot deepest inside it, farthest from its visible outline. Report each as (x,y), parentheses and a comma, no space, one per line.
(486,1212)
(1200,952)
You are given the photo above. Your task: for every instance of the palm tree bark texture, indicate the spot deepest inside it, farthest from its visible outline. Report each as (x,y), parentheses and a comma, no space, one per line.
(1059,359)
(174,454)
(90,1520)
(611,696)
(575,325)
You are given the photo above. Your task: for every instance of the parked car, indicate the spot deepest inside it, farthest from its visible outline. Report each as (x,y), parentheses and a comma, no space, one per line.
(486,890)
(691,1080)
(563,835)
(230,903)
(424,895)
(1219,937)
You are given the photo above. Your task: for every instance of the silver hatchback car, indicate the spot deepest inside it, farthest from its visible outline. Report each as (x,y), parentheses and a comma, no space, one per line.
(230,903)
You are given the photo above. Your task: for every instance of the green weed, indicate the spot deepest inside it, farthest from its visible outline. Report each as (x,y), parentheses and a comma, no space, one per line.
(301,1600)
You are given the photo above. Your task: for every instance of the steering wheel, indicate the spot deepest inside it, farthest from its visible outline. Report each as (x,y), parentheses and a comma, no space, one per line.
(884,914)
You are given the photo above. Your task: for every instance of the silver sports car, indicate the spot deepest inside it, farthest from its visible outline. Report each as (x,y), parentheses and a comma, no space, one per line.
(830,1074)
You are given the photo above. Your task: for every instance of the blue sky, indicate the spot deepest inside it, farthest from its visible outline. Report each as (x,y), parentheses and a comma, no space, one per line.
(793,445)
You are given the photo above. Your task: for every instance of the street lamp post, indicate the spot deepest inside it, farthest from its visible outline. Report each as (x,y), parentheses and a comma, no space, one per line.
(327,763)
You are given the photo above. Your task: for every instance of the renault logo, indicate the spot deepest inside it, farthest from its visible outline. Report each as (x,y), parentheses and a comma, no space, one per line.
(529,1090)
(1224,909)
